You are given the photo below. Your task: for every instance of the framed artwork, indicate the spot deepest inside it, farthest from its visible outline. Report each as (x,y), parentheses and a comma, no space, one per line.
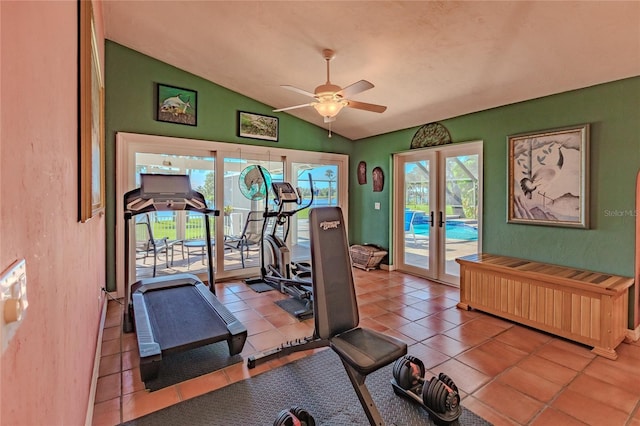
(91,197)
(176,105)
(257,126)
(549,177)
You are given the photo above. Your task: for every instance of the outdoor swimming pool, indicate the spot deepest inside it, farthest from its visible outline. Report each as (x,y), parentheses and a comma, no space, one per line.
(453,230)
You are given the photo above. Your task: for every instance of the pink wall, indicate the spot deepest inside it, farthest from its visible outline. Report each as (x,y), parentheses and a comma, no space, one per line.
(46,370)
(636,292)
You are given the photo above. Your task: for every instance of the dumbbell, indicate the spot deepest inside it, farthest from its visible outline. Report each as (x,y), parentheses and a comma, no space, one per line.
(295,416)
(409,372)
(439,394)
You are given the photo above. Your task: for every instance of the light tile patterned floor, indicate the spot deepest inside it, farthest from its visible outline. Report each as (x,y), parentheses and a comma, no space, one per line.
(508,374)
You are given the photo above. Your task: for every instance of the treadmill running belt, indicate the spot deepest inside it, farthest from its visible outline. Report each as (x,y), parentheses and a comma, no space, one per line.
(181,317)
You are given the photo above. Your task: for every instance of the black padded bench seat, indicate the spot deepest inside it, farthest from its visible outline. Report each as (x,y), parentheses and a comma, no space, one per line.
(183,315)
(367,350)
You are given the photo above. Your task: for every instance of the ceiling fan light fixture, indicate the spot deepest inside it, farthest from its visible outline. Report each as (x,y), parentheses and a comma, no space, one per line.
(328,106)
(329,99)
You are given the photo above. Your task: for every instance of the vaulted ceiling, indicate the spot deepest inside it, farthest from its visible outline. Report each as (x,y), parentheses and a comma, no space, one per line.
(428,60)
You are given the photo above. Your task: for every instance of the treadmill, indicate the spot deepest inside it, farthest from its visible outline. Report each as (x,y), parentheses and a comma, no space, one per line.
(174,313)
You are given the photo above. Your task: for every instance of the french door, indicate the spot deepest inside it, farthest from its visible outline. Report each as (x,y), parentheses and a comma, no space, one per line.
(437,203)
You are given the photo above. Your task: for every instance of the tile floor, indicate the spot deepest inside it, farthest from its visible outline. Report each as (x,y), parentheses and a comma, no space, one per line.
(508,374)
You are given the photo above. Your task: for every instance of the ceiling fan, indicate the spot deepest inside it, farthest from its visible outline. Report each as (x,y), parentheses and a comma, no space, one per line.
(330,99)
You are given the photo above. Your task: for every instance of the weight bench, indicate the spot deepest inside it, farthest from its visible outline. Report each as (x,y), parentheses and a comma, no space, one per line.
(362,351)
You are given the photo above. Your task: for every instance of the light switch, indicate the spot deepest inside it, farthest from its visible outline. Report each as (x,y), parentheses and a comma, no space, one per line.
(13,300)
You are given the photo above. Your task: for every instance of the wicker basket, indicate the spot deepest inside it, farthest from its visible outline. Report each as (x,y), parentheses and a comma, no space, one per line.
(367,256)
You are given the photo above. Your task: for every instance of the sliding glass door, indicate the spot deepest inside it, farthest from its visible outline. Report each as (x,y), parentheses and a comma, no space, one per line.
(437,209)
(216,170)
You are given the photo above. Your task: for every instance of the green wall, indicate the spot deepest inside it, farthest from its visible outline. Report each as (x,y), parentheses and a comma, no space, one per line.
(130,79)
(613,109)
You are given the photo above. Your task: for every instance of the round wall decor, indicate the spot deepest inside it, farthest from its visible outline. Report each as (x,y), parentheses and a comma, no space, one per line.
(431,134)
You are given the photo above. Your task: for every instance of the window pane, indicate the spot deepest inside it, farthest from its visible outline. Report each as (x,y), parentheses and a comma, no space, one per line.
(325,193)
(173,241)
(242,229)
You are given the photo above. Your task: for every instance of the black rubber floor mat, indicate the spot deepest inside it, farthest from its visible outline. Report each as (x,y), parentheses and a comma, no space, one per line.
(181,366)
(260,287)
(292,306)
(317,383)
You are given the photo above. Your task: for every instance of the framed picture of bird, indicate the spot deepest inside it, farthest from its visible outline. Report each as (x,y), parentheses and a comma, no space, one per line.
(549,177)
(176,105)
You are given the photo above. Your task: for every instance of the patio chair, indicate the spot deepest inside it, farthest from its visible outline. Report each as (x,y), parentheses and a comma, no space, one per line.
(408,223)
(250,236)
(148,246)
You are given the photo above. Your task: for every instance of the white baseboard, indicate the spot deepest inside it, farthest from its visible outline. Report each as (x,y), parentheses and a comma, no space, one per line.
(633,335)
(96,365)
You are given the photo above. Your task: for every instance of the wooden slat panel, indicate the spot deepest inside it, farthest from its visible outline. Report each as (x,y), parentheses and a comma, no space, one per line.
(533,303)
(511,307)
(566,311)
(596,330)
(557,308)
(517,298)
(548,306)
(575,314)
(541,306)
(526,300)
(585,316)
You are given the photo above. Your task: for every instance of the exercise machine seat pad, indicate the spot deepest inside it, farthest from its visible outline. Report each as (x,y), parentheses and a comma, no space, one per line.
(367,350)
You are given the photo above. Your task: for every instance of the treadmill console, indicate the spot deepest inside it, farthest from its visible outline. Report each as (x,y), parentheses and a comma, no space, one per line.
(163,192)
(285,192)
(161,187)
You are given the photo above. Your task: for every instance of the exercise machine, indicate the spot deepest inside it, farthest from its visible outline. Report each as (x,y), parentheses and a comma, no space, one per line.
(361,350)
(438,395)
(177,312)
(292,278)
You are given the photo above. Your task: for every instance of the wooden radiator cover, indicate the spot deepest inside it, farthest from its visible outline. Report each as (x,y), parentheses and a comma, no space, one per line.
(583,306)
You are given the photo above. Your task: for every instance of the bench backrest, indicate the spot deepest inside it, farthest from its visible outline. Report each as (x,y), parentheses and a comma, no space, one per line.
(333,288)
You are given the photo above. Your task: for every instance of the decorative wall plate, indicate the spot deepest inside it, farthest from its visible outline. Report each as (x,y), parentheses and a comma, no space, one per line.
(431,134)
(362,173)
(378,179)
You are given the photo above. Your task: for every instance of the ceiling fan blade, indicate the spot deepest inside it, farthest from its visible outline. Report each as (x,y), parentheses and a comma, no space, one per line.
(367,107)
(295,89)
(293,107)
(355,88)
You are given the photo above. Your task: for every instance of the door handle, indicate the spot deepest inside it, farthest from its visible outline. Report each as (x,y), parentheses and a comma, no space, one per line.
(431,219)
(441,221)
